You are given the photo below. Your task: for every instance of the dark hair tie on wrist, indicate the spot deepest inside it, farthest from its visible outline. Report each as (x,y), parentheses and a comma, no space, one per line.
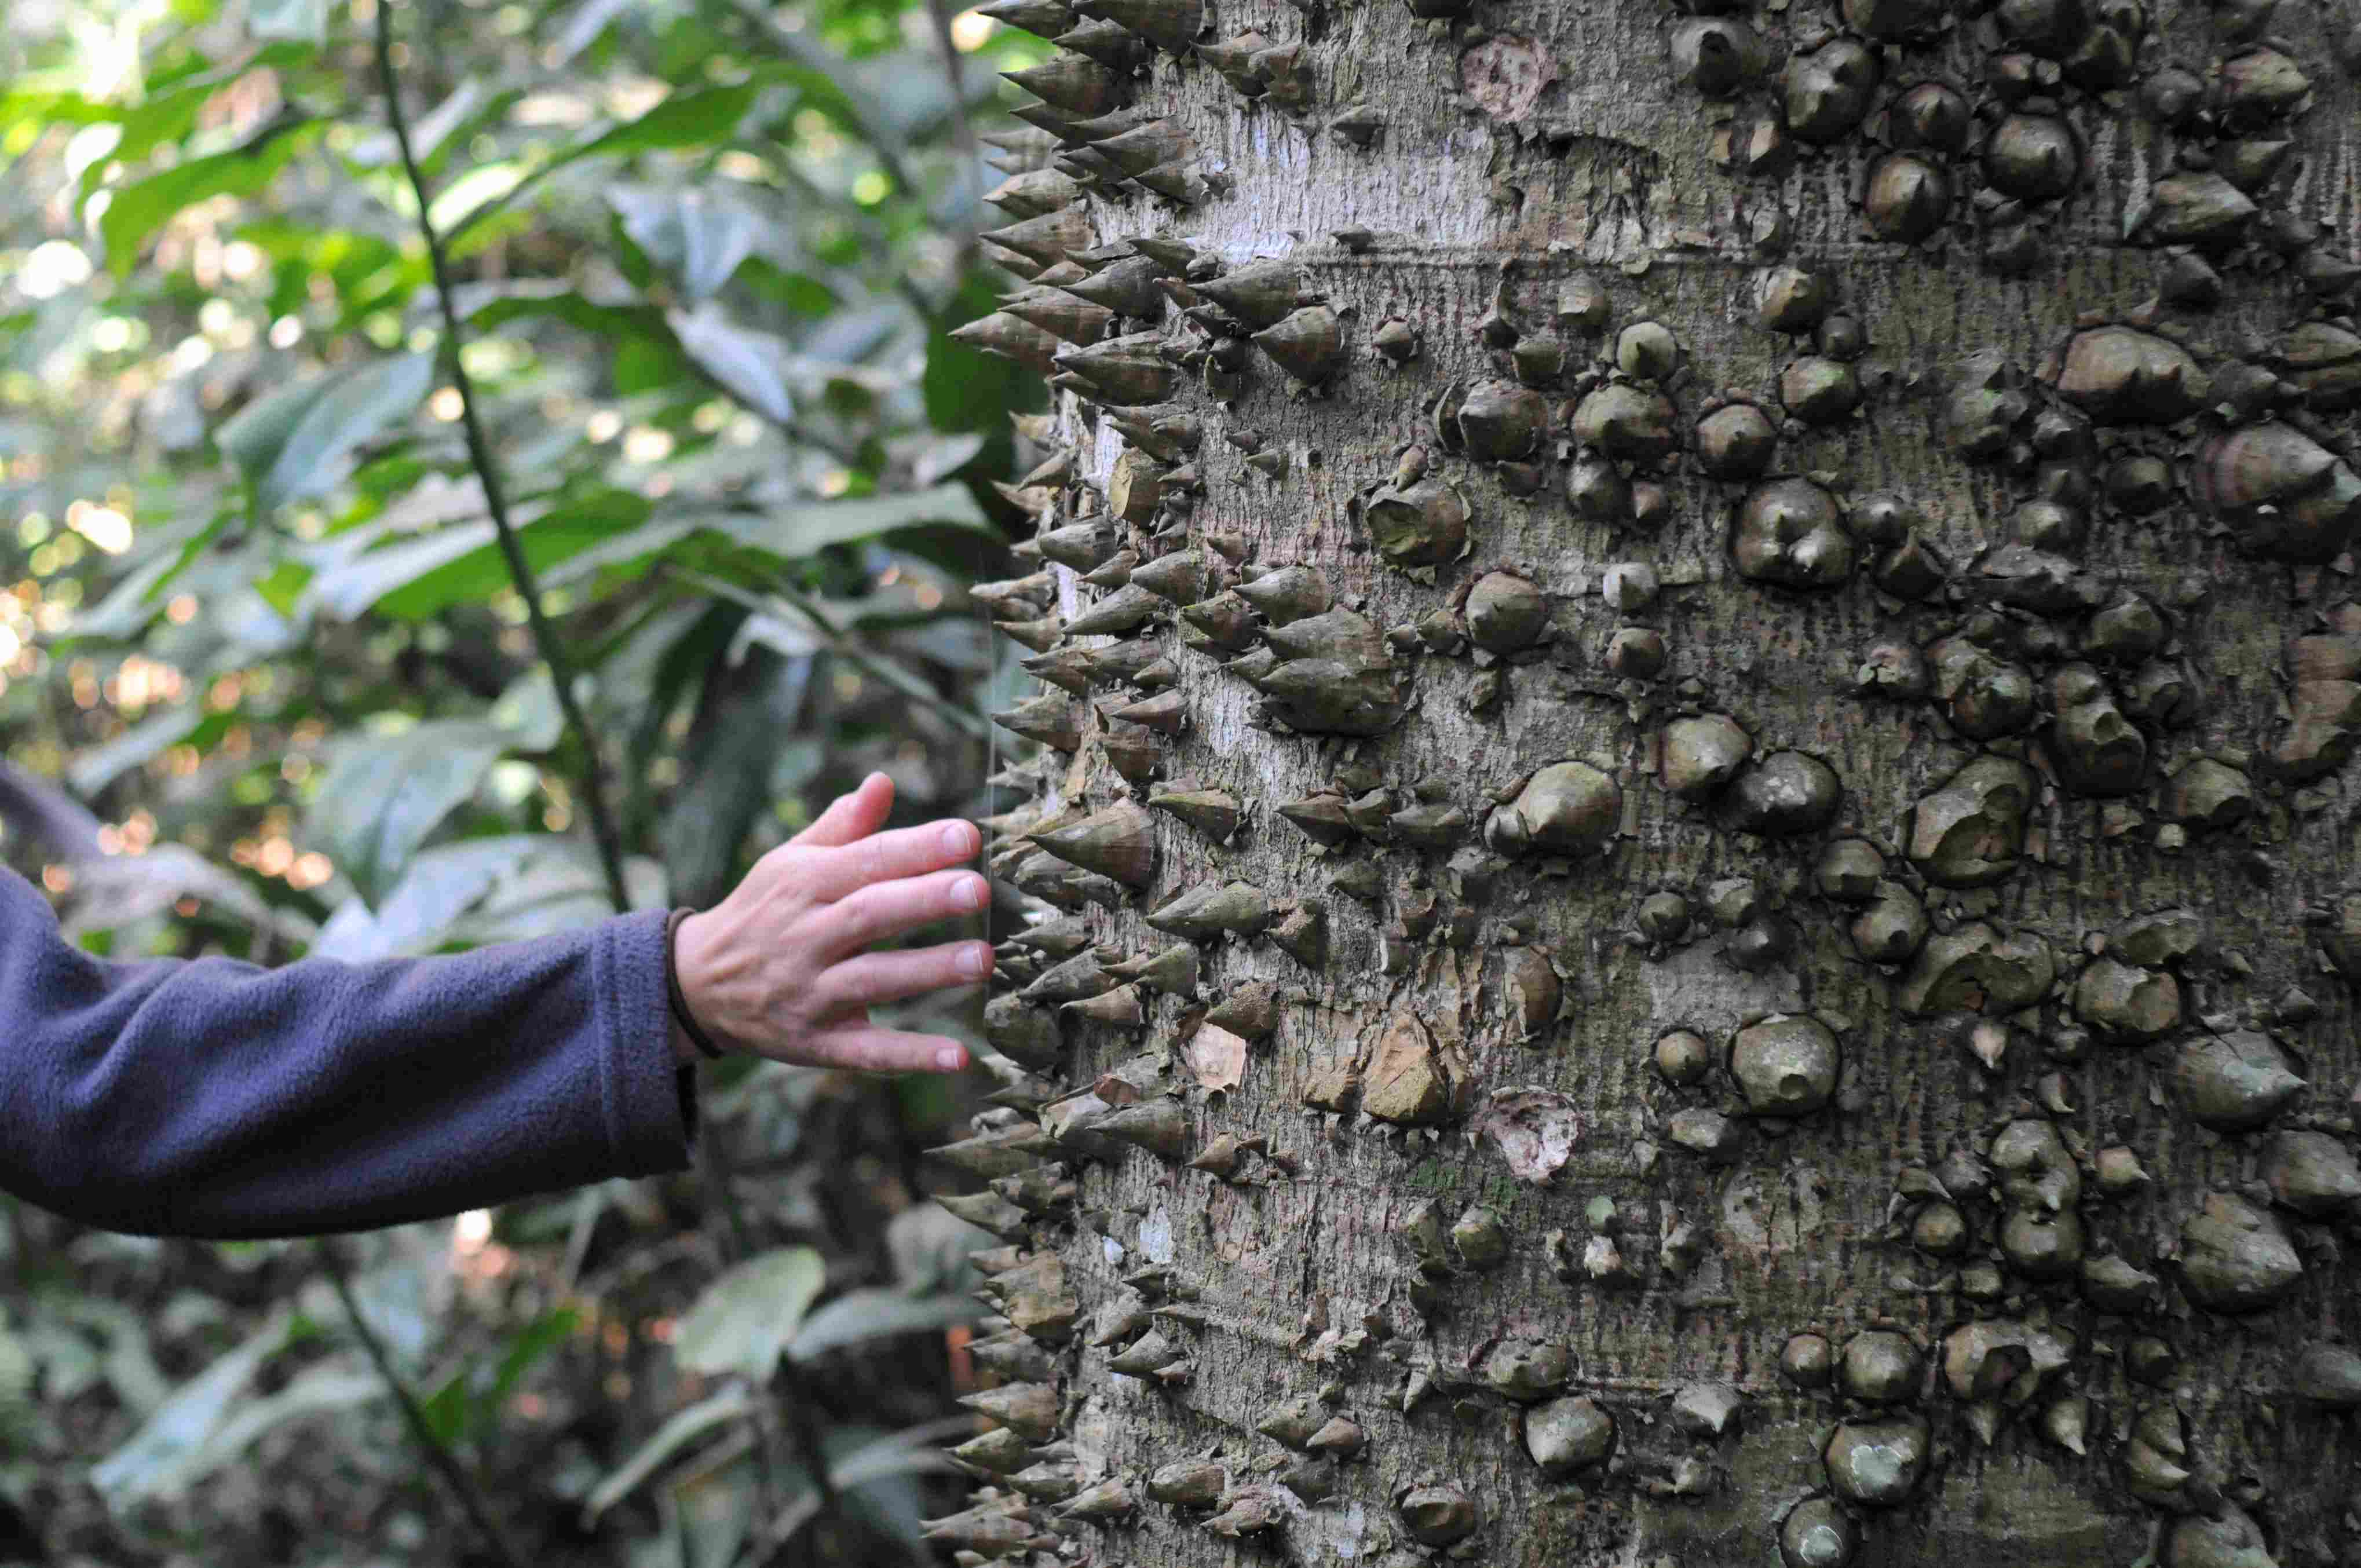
(687,1020)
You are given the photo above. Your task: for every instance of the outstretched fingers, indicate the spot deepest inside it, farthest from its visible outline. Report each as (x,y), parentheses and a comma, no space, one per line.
(898,856)
(875,977)
(886,910)
(862,1046)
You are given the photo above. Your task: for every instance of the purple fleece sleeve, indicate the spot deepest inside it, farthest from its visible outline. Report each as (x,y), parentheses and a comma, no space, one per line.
(215,1098)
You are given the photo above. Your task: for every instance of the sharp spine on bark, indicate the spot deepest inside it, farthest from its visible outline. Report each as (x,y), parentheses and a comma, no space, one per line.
(1043,18)
(1009,337)
(1073,82)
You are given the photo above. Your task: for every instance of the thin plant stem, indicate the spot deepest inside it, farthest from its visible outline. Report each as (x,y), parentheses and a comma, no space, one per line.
(480,454)
(471,1496)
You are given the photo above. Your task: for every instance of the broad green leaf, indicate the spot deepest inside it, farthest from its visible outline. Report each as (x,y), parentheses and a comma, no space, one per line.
(175,99)
(745,1318)
(526,1347)
(293,443)
(282,586)
(470,1398)
(873,1312)
(559,888)
(161,1457)
(747,713)
(622,558)
(385,794)
(94,770)
(428,133)
(714,1512)
(753,367)
(480,191)
(871,1467)
(137,210)
(966,388)
(698,234)
(123,889)
(439,886)
(129,1364)
(445,1409)
(685,119)
(421,577)
(807,530)
(669,1438)
(490,306)
(402,1300)
(793,534)
(132,603)
(529,708)
(316,1390)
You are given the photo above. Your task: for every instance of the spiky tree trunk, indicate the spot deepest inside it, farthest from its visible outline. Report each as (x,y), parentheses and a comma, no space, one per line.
(1693,795)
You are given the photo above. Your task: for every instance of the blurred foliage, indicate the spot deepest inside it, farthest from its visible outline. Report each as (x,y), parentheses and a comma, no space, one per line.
(253,615)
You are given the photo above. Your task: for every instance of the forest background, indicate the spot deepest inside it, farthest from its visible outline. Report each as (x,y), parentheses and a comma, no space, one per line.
(269,683)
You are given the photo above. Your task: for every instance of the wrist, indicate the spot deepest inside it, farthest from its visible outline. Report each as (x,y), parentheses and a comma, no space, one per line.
(692,1037)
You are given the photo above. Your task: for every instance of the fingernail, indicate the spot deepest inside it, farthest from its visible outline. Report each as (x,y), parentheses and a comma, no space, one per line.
(957,842)
(974,961)
(948,1059)
(971,893)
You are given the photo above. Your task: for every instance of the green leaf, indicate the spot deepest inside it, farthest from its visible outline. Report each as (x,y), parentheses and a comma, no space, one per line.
(684,119)
(94,770)
(875,1460)
(132,603)
(745,1318)
(282,586)
(385,794)
(137,210)
(559,888)
(415,917)
(667,1440)
(751,366)
(807,530)
(490,306)
(123,889)
(873,1312)
(700,234)
(527,1347)
(313,1391)
(164,1455)
(746,713)
(530,710)
(419,578)
(430,131)
(445,1409)
(293,443)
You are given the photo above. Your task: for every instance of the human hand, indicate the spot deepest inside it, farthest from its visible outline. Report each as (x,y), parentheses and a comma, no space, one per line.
(780,967)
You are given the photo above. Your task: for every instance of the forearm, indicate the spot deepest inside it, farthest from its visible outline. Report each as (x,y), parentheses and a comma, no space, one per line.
(218,1099)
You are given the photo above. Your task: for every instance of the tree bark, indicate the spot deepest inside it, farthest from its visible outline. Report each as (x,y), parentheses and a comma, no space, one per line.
(1692,861)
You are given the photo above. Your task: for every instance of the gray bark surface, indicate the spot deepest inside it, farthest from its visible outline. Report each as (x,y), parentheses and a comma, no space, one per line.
(2061,1161)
